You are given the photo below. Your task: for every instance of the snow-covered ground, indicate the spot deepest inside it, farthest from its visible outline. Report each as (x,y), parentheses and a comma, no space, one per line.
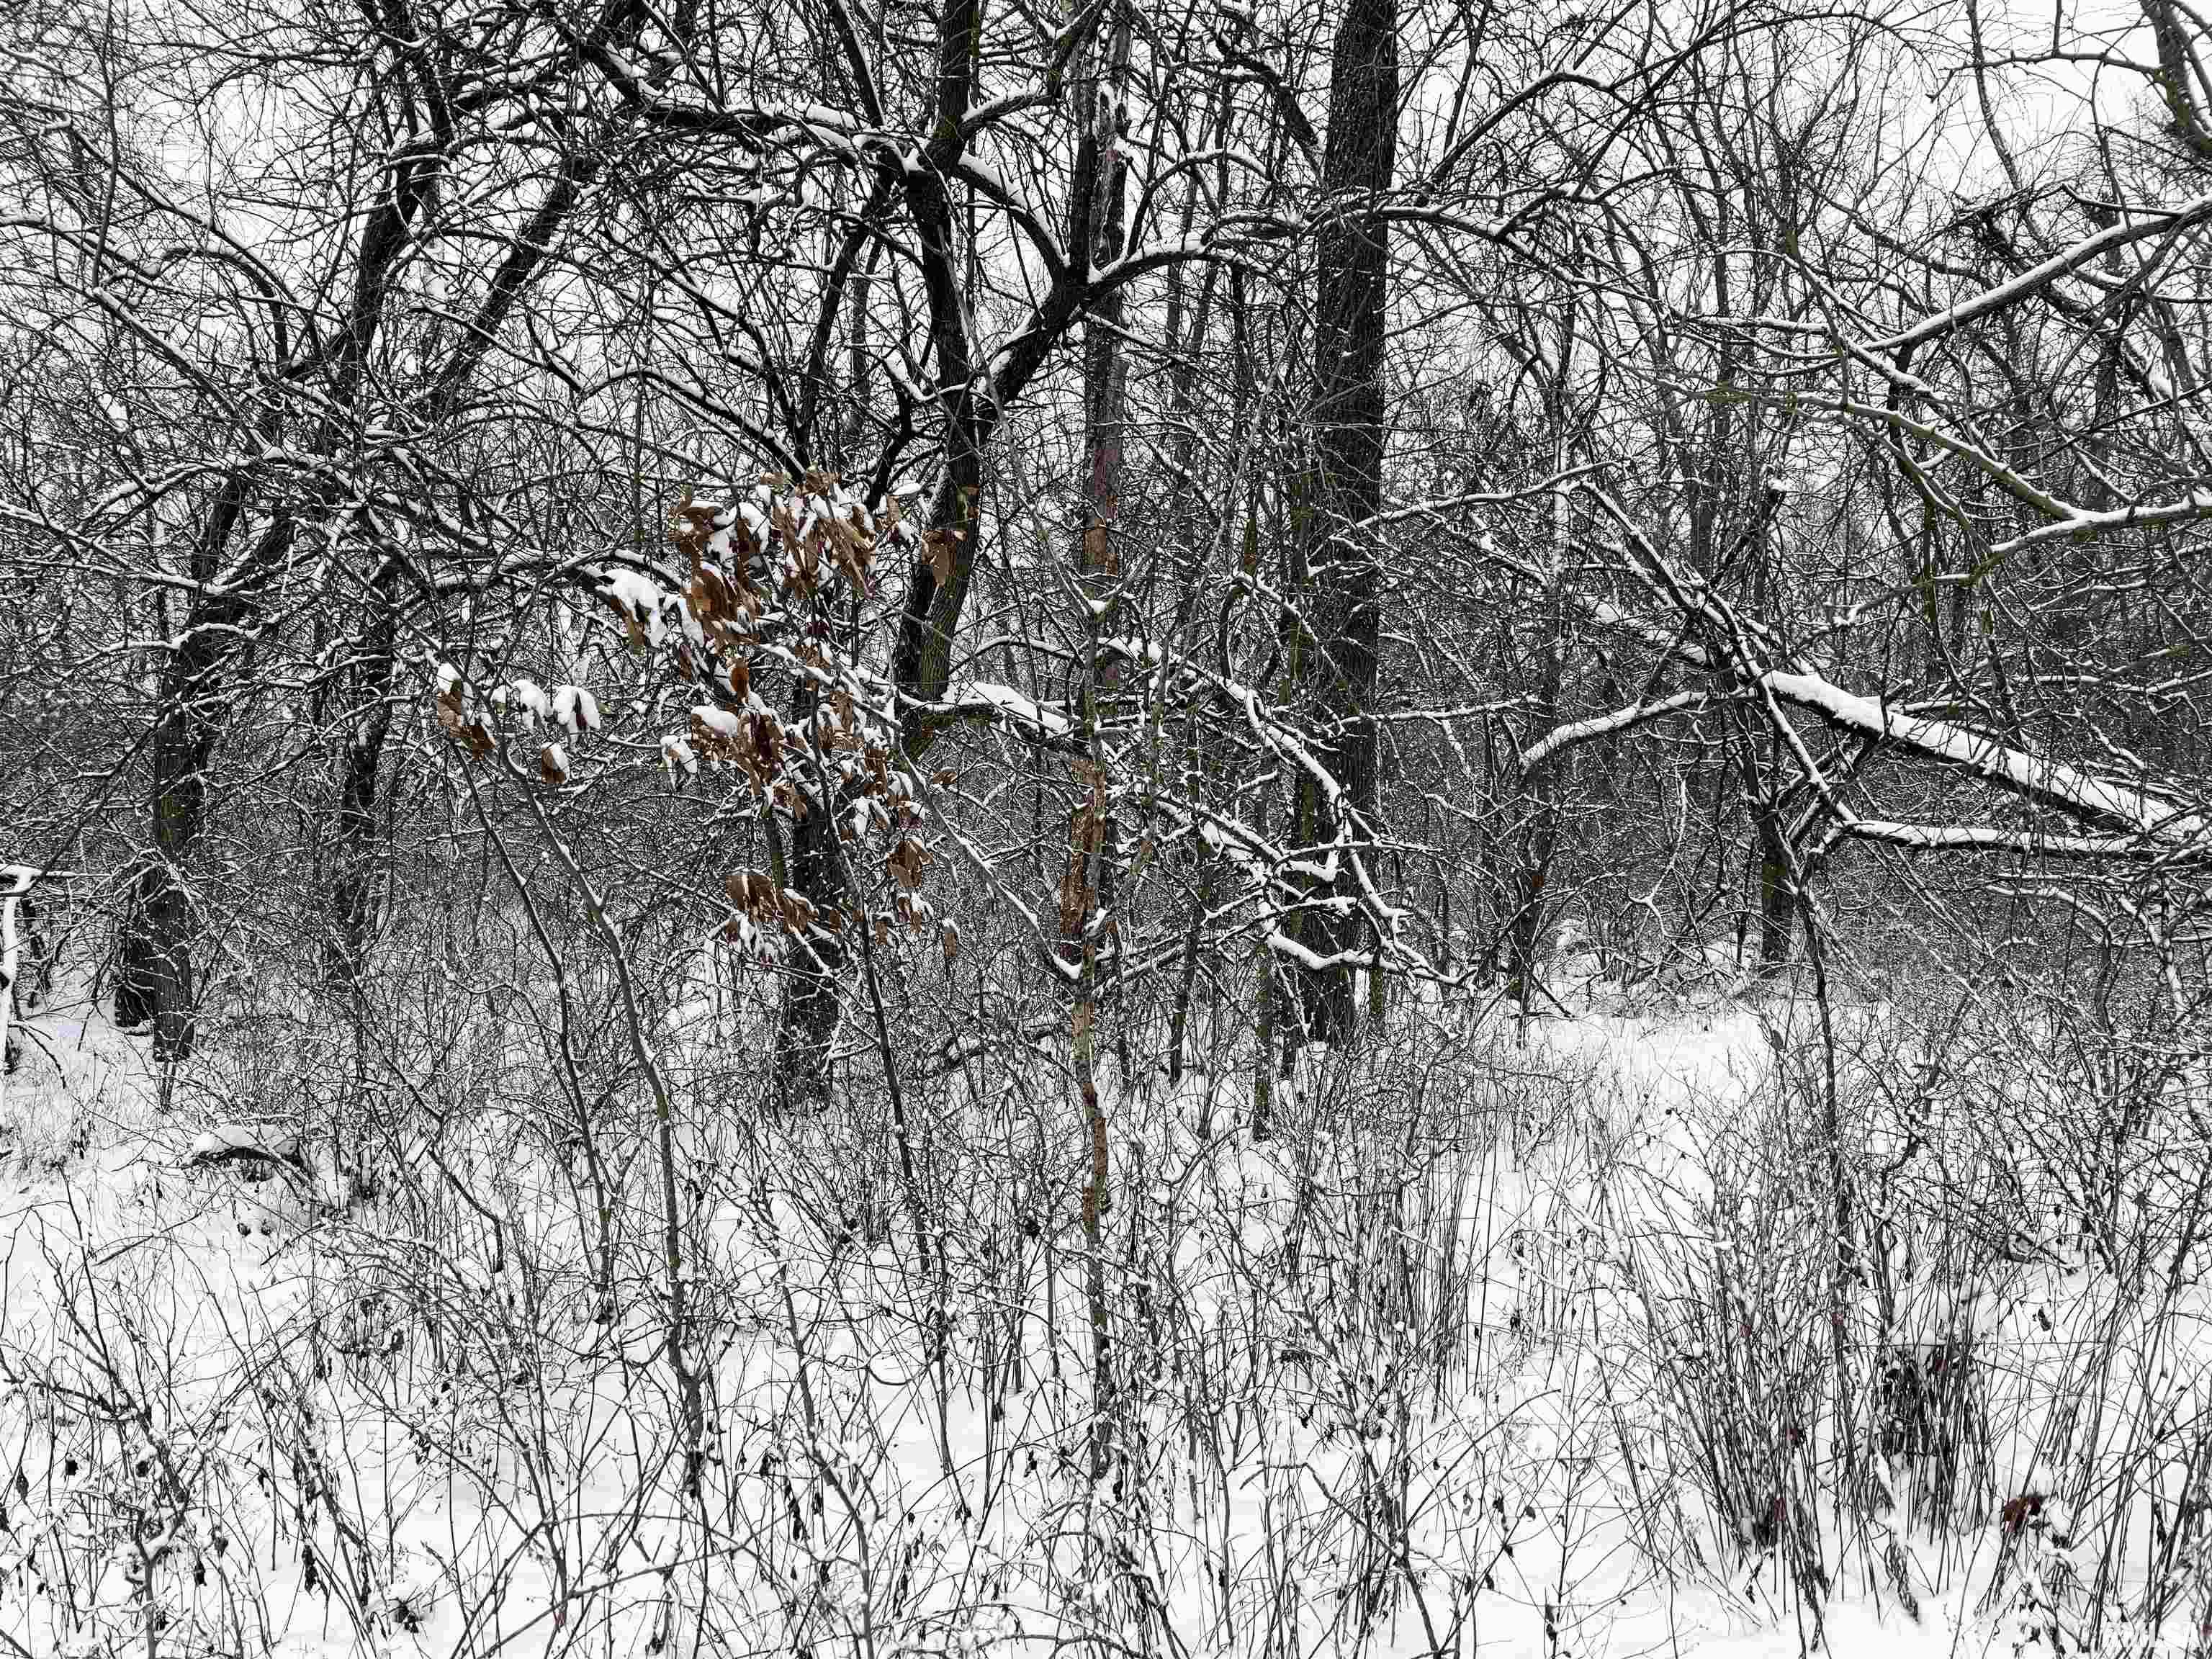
(1510,1342)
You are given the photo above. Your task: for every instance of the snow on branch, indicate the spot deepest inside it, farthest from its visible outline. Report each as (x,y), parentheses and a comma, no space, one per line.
(1942,837)
(986,700)
(1562,737)
(2087,252)
(1734,648)
(2081,793)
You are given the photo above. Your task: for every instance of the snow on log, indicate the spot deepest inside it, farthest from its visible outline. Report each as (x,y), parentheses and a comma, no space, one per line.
(2166,824)
(1981,838)
(259,1148)
(2084,794)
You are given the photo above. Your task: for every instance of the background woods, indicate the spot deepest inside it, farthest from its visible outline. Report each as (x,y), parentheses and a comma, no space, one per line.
(1449,417)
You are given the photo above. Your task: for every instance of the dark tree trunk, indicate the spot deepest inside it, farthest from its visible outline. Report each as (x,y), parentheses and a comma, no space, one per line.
(1342,583)
(353,888)
(1777,893)
(1778,902)
(156,985)
(156,980)
(806,1031)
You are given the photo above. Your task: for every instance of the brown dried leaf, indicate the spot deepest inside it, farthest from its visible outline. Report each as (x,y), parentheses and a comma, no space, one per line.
(692,525)
(941,544)
(798,912)
(768,745)
(710,740)
(906,860)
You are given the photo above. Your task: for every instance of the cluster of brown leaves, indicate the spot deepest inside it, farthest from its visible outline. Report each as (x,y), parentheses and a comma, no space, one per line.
(813,525)
(722,597)
(750,563)
(759,901)
(906,861)
(754,743)
(461,723)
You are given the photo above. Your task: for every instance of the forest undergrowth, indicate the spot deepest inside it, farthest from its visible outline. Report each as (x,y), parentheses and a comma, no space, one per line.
(1654,1325)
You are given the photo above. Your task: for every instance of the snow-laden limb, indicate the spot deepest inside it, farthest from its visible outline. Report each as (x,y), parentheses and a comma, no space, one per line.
(1026,711)
(1287,744)
(2068,520)
(1560,738)
(1735,647)
(2083,521)
(1274,730)
(2140,812)
(2035,278)
(1979,838)
(1283,945)
(987,701)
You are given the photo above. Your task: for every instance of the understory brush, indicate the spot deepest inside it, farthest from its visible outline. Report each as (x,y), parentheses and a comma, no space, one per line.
(1500,1338)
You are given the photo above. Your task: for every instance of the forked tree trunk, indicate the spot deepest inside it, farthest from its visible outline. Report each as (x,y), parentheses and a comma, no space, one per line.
(157,982)
(156,985)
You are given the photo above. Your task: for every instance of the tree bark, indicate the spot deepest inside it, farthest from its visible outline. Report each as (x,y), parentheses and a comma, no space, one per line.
(806,1026)
(1341,582)
(353,887)
(156,985)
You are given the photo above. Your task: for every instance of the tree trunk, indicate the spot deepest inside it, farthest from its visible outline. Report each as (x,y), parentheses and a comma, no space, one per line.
(1778,896)
(156,985)
(1098,227)
(1539,838)
(806,1027)
(1342,583)
(353,888)
(157,982)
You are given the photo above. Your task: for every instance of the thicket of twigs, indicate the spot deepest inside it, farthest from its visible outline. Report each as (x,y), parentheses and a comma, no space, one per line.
(1491,1338)
(853,824)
